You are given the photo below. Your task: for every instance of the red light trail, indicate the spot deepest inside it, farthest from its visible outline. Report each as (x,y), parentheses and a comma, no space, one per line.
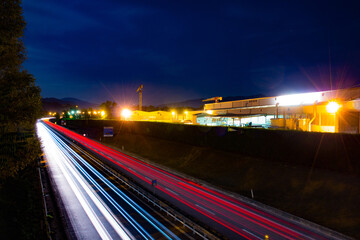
(228,215)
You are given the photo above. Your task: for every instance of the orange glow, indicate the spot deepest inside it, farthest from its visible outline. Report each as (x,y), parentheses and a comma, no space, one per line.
(332,107)
(126,113)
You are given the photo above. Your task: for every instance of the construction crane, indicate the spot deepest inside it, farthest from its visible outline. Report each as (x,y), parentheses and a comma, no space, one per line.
(139,90)
(216,99)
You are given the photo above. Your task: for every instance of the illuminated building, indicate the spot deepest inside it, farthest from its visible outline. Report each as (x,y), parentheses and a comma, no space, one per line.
(326,111)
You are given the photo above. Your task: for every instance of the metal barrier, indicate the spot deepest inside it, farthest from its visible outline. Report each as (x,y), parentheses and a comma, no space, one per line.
(195,228)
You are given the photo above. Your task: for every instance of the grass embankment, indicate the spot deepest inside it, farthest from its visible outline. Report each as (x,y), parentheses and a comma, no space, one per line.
(21,207)
(324,197)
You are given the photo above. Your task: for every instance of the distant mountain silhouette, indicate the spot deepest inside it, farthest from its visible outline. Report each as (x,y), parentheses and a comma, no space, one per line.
(194,103)
(58,105)
(78,102)
(198,103)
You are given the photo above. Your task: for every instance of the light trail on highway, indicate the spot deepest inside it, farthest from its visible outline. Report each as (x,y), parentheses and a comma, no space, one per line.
(229,216)
(92,200)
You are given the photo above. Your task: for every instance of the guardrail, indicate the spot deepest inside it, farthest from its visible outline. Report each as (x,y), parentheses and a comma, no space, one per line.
(195,228)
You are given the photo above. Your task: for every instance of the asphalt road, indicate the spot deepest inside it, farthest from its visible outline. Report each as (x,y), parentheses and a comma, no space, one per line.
(95,206)
(227,215)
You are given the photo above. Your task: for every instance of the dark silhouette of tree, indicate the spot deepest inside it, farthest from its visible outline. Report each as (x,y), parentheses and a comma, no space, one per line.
(109,108)
(12,24)
(20,101)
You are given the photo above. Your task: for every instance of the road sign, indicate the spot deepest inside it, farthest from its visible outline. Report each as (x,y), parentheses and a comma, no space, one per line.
(108,131)
(154,182)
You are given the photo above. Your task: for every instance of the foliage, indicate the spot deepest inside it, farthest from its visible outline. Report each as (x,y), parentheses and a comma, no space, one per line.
(12,25)
(57,118)
(152,108)
(20,101)
(108,107)
(17,150)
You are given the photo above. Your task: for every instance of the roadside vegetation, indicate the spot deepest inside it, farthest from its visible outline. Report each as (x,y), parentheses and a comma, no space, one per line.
(20,106)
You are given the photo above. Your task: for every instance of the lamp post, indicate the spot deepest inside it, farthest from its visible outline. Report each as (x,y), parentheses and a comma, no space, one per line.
(332,107)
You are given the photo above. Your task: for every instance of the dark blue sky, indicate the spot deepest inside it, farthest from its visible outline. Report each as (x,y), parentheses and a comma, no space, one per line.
(103,50)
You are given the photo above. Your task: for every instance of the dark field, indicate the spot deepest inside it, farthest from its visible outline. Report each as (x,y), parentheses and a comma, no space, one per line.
(21,208)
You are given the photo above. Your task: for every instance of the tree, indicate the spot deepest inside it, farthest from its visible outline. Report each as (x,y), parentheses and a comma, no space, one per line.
(108,107)
(12,24)
(20,100)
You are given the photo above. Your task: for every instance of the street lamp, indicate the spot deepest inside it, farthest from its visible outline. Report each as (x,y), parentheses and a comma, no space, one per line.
(126,113)
(332,107)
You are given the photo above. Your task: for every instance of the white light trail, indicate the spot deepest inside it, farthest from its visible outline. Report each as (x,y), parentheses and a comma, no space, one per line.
(53,152)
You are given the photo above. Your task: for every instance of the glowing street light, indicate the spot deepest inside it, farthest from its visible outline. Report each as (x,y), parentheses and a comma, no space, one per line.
(298,99)
(126,113)
(209,112)
(102,113)
(332,107)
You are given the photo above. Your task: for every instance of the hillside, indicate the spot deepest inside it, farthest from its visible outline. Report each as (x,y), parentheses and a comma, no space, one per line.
(58,105)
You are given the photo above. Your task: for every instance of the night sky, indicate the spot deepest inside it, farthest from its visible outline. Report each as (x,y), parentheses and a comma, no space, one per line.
(103,50)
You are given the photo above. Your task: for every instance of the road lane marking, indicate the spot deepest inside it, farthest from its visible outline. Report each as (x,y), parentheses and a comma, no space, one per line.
(252,234)
(205,209)
(171,191)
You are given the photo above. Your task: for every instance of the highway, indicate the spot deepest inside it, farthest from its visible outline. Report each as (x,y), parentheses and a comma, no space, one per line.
(95,206)
(229,216)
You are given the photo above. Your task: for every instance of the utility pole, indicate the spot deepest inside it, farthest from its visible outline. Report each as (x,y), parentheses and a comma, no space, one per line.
(139,90)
